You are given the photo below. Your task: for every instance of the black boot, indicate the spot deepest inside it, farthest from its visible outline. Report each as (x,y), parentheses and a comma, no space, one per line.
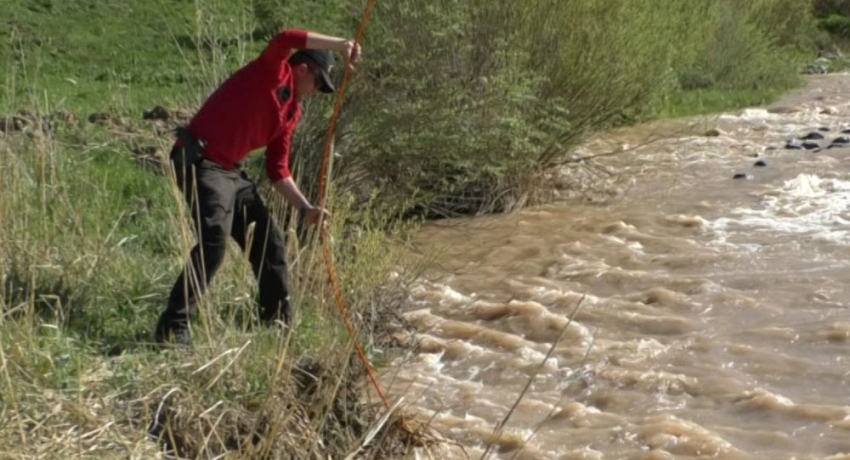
(170,333)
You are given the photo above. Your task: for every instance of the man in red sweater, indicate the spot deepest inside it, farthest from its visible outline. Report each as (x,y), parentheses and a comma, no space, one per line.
(257,107)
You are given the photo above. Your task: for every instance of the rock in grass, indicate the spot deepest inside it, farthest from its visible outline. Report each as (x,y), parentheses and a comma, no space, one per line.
(157,113)
(815,69)
(760,164)
(99,117)
(65,116)
(9,124)
(813,135)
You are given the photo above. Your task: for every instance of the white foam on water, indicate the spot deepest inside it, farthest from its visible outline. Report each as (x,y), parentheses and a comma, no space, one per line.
(432,361)
(806,205)
(530,357)
(429,294)
(800,119)
(782,126)
(750,115)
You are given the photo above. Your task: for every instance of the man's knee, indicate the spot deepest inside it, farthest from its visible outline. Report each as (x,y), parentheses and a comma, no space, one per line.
(273,245)
(214,230)
(212,254)
(209,254)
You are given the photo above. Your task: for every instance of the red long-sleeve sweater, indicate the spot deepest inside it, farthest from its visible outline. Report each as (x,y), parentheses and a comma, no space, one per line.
(256,107)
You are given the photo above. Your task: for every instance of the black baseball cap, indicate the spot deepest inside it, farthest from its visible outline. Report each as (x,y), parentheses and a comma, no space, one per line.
(323,61)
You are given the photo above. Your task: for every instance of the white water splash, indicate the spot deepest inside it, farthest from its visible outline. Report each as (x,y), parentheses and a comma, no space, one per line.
(806,205)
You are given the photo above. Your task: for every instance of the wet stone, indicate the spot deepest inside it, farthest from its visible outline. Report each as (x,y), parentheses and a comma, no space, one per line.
(823,129)
(815,69)
(760,164)
(814,135)
(772,147)
(841,140)
(740,176)
(793,145)
(809,145)
(845,131)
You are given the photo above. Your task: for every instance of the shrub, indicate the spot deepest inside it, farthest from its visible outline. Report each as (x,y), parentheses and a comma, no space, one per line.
(837,25)
(824,8)
(464,100)
(460,100)
(754,46)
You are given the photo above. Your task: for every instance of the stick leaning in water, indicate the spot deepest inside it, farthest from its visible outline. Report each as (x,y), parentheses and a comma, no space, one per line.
(501,426)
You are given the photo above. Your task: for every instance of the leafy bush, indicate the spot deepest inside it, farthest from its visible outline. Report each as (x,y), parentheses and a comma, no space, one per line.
(752,46)
(824,8)
(788,24)
(462,101)
(447,112)
(836,25)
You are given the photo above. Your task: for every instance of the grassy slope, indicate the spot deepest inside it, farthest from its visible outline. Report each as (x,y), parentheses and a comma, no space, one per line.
(90,244)
(90,55)
(126,57)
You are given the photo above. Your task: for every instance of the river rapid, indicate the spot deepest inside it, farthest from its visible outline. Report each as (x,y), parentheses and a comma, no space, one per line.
(710,315)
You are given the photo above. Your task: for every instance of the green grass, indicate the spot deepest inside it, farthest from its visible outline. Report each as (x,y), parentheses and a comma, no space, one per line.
(62,46)
(699,102)
(95,55)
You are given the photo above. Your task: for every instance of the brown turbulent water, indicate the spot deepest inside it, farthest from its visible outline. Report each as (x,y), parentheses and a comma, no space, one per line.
(716,312)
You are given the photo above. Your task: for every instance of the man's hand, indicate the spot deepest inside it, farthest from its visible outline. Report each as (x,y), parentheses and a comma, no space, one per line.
(314,215)
(351,54)
(348,48)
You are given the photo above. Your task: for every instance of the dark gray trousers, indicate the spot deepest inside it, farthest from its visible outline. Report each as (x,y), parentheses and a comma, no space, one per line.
(224,204)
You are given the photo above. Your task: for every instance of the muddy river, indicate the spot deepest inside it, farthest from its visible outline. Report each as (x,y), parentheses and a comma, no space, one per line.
(688,315)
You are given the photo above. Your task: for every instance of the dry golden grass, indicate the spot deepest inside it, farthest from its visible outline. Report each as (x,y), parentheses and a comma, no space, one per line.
(89,244)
